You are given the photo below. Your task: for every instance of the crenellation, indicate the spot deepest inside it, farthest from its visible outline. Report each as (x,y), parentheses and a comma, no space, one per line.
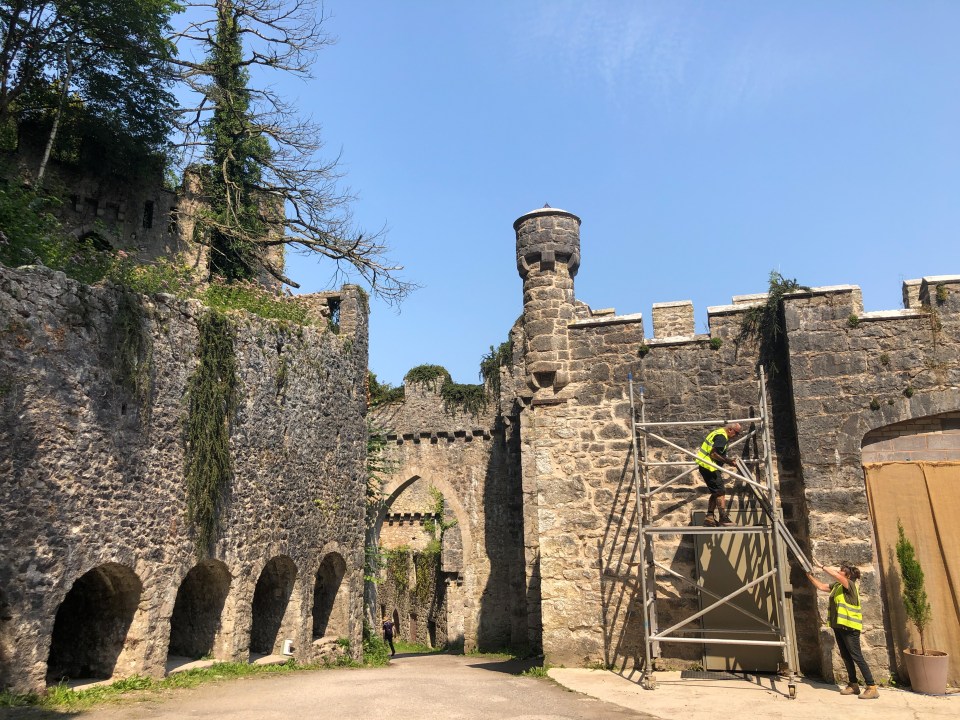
(673,319)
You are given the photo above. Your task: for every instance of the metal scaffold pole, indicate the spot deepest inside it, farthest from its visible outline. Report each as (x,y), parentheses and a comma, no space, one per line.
(759,481)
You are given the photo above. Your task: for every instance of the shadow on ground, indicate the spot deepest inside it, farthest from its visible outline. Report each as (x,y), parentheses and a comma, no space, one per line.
(513,666)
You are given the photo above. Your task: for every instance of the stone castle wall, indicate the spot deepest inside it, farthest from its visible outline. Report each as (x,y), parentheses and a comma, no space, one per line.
(468,459)
(580,530)
(93,504)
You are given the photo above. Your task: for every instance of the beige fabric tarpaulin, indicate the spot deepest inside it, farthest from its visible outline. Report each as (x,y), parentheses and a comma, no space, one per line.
(925,497)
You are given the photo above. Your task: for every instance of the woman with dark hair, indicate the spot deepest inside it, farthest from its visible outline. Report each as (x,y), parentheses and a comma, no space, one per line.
(846,619)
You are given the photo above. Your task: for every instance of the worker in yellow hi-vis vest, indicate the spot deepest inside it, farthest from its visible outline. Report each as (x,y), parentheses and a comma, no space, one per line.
(711,455)
(846,619)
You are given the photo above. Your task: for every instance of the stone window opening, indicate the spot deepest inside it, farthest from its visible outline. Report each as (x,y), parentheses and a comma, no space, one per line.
(91,624)
(330,606)
(148,214)
(197,613)
(270,600)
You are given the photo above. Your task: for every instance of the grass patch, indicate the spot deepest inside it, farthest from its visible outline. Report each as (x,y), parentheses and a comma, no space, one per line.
(417,648)
(537,671)
(61,697)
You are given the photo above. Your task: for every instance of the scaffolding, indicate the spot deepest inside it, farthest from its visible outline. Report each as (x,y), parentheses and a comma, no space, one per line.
(760,483)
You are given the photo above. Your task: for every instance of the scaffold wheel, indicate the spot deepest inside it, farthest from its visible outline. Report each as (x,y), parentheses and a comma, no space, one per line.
(649,682)
(792,691)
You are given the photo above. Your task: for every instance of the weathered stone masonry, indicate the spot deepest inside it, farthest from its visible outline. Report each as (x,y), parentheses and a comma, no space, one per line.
(471,461)
(98,572)
(579,514)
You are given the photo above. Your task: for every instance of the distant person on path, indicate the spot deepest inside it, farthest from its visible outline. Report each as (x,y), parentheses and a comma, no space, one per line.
(711,455)
(846,619)
(388,635)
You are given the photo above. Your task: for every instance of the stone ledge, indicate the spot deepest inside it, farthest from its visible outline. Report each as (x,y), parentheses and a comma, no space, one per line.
(602,321)
(891,314)
(675,340)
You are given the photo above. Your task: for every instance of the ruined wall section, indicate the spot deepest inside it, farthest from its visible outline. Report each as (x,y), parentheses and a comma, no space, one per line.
(93,475)
(466,458)
(854,372)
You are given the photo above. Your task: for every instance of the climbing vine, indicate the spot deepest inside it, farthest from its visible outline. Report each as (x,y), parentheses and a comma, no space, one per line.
(425,563)
(212,400)
(379,393)
(765,324)
(133,348)
(395,563)
(491,363)
(466,397)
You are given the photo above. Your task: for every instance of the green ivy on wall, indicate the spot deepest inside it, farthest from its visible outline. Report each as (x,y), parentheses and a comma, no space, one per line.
(466,397)
(212,401)
(132,347)
(395,564)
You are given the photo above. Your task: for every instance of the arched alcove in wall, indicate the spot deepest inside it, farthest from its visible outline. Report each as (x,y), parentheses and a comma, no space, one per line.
(6,632)
(331,602)
(912,473)
(92,622)
(195,622)
(270,600)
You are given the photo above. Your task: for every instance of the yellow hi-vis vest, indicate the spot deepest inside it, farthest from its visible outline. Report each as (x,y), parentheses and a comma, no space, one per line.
(703,454)
(848,615)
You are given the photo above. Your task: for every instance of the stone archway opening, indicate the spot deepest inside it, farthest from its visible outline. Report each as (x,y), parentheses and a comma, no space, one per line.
(330,601)
(270,601)
(91,624)
(6,641)
(912,473)
(421,540)
(195,623)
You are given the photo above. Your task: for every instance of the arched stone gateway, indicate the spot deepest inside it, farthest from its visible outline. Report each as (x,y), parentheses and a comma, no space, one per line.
(421,532)
(270,604)
(196,620)
(6,651)
(331,599)
(92,622)
(912,472)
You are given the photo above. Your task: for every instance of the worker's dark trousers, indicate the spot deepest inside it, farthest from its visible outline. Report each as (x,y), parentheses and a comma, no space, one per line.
(848,641)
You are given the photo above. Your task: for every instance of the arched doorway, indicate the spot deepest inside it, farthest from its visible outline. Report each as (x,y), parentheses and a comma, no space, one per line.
(421,537)
(912,472)
(270,601)
(92,622)
(195,622)
(6,649)
(330,599)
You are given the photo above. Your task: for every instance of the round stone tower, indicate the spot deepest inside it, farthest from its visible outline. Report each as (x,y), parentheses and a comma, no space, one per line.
(548,256)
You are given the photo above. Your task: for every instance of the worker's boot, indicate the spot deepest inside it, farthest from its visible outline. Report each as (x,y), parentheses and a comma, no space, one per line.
(710,521)
(851,689)
(870,693)
(725,520)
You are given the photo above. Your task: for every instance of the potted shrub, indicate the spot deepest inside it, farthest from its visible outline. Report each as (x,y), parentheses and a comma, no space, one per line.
(927,668)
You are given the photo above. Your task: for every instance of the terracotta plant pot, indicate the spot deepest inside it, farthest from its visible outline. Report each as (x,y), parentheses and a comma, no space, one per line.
(928,673)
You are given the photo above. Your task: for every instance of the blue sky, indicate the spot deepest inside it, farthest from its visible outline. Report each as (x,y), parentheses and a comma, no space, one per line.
(703,144)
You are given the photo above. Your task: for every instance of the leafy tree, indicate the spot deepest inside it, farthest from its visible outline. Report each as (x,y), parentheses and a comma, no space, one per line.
(106,60)
(264,186)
